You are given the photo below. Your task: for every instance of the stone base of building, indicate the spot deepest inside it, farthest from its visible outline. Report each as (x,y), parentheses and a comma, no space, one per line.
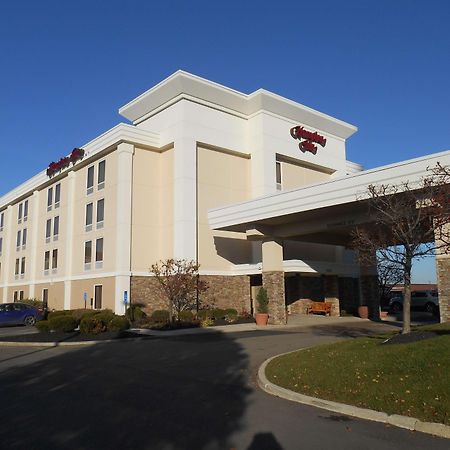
(443,279)
(223,292)
(273,282)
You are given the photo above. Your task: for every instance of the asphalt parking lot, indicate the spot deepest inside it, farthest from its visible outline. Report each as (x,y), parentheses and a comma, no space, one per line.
(186,392)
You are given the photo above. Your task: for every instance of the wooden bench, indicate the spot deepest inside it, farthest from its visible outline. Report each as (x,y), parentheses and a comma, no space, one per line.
(319,307)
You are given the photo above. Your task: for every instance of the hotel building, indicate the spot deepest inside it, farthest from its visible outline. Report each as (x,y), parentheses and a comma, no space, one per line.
(190,178)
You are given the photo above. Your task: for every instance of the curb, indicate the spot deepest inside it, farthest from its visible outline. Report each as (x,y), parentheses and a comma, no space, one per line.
(66,344)
(409,423)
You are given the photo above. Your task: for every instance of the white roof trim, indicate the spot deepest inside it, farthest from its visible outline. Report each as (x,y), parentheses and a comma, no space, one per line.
(185,84)
(331,193)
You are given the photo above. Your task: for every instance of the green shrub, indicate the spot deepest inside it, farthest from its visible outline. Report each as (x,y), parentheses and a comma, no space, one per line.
(62,323)
(231,311)
(58,314)
(79,314)
(231,317)
(161,315)
(186,316)
(118,323)
(205,314)
(92,325)
(135,313)
(206,322)
(33,302)
(43,326)
(263,301)
(218,313)
(105,316)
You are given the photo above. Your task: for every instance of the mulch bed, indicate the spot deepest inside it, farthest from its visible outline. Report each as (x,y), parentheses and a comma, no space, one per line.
(75,336)
(414,336)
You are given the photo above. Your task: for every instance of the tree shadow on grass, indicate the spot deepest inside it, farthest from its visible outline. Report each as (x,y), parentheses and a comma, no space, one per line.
(143,394)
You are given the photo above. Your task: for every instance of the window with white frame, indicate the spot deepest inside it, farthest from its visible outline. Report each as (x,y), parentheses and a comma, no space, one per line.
(49,199)
(19,213)
(16,296)
(17,267)
(278,176)
(25,210)
(45,298)
(1,246)
(48,230)
(101,175)
(57,195)
(22,267)
(24,238)
(89,218)
(2,220)
(19,239)
(99,253)
(46,262)
(54,260)
(55,228)
(100,212)
(20,296)
(87,255)
(90,180)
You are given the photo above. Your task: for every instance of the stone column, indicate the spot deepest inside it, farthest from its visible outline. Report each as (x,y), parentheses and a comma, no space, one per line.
(71,178)
(273,280)
(331,288)
(370,292)
(443,282)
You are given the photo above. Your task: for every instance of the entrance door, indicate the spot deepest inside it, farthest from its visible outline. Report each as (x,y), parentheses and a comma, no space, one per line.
(98,293)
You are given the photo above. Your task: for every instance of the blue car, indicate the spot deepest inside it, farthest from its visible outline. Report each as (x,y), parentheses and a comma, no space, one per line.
(19,314)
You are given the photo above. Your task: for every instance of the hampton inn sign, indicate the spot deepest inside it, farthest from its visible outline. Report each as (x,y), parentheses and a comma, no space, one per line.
(307,145)
(55,167)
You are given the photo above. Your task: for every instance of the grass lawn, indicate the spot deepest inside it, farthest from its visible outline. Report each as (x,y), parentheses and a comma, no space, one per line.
(411,379)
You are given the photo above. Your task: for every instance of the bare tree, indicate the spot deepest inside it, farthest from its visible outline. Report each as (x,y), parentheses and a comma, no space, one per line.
(408,222)
(179,283)
(389,275)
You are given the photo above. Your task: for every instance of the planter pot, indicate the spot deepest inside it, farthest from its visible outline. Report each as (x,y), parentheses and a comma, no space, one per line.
(383,314)
(363,312)
(262,319)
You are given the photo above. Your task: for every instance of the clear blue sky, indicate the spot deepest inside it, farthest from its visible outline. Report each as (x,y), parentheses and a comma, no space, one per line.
(66,68)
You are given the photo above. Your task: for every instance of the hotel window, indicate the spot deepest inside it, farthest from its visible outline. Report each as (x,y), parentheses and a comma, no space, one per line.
(19,213)
(100,213)
(19,240)
(57,195)
(278,175)
(2,220)
(99,253)
(87,255)
(16,296)
(90,180)
(46,262)
(98,294)
(54,260)
(101,175)
(25,210)
(45,298)
(89,213)
(22,268)
(16,270)
(48,230)
(24,239)
(55,228)
(49,199)
(1,246)
(20,296)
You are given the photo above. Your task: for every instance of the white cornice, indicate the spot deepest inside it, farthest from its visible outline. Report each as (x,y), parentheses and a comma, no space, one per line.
(182,83)
(120,133)
(331,193)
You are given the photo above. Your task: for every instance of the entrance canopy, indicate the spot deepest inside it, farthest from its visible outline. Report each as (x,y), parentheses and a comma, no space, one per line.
(320,213)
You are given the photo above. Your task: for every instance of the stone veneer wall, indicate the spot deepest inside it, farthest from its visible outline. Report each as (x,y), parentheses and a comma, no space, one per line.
(370,294)
(331,288)
(273,282)
(443,279)
(223,292)
(303,291)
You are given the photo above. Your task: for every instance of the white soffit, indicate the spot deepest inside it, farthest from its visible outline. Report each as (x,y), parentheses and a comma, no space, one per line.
(182,83)
(331,193)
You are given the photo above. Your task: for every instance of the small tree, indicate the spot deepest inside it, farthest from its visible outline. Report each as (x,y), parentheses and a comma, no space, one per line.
(263,301)
(179,283)
(389,275)
(408,222)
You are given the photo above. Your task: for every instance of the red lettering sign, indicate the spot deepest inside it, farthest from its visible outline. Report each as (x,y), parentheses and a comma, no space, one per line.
(55,167)
(309,137)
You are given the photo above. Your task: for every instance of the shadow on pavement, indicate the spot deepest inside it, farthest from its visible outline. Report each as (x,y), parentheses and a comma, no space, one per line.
(157,394)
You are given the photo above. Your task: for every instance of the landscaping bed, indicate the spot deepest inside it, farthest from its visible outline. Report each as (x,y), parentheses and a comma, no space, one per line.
(409,378)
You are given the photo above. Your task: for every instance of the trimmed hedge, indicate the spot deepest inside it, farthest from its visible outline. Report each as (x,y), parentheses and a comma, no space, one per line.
(62,323)
(92,325)
(231,311)
(59,314)
(186,316)
(161,315)
(43,326)
(218,313)
(204,314)
(134,313)
(118,323)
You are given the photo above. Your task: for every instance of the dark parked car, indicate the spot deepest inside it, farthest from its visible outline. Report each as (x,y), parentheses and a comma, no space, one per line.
(19,314)
(420,301)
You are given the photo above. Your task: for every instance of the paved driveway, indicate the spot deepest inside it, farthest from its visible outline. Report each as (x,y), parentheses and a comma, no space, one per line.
(186,392)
